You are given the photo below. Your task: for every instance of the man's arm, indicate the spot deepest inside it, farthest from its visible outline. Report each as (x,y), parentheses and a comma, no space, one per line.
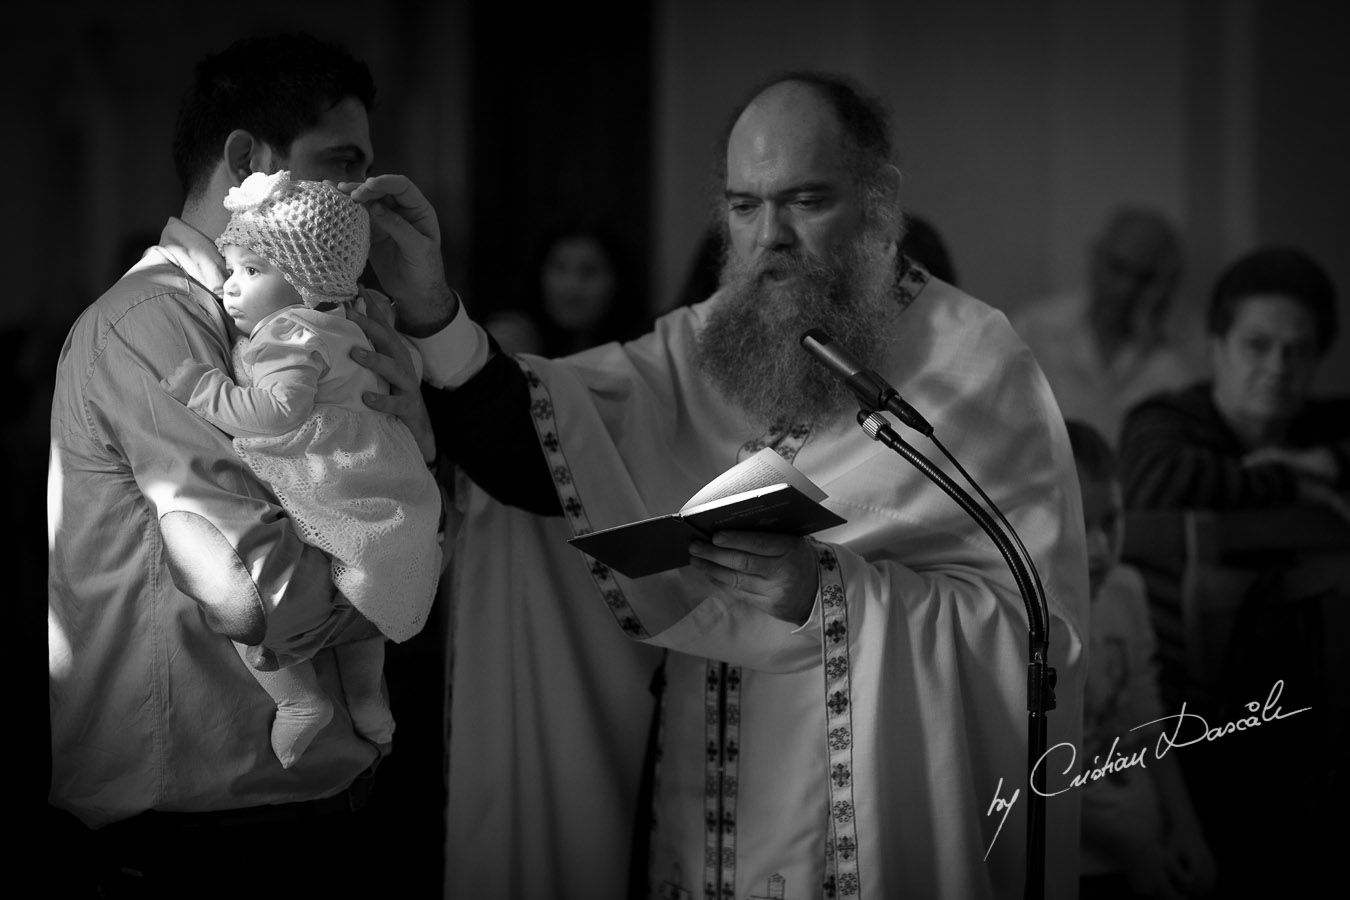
(1167,465)
(228,545)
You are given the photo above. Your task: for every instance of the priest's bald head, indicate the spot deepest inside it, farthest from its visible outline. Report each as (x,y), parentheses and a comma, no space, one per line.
(811,215)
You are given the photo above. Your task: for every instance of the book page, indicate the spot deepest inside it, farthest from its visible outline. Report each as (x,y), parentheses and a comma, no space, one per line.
(761,470)
(780,508)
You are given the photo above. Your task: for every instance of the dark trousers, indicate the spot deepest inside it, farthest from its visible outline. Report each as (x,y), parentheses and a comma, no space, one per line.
(332,847)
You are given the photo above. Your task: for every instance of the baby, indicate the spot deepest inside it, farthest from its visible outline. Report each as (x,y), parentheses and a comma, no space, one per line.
(352,479)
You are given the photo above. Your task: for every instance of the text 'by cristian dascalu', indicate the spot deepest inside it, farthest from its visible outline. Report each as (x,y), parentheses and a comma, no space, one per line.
(1188,728)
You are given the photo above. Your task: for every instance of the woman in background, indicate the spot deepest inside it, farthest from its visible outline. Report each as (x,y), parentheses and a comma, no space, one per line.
(581,295)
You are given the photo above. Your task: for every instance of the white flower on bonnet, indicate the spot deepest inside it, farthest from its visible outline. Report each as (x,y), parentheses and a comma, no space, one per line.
(316,236)
(256,189)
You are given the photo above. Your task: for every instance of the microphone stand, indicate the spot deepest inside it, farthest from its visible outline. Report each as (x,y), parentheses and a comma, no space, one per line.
(1040,676)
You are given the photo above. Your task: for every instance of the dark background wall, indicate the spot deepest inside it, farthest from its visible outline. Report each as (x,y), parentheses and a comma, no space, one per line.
(560,135)
(1019,125)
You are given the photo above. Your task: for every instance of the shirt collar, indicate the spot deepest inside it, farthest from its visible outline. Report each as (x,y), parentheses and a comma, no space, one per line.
(194,253)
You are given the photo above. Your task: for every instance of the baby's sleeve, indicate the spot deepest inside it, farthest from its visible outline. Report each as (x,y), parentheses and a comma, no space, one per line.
(285,361)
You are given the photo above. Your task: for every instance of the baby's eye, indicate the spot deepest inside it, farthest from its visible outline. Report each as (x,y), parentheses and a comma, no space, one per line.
(250,270)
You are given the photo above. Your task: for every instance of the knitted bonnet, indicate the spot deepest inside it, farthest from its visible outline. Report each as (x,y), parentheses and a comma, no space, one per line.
(315,235)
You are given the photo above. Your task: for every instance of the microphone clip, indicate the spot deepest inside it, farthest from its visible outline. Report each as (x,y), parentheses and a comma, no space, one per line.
(887,399)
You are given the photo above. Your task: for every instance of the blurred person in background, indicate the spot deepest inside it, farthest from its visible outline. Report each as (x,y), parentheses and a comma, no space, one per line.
(1141,835)
(1108,345)
(1255,437)
(581,295)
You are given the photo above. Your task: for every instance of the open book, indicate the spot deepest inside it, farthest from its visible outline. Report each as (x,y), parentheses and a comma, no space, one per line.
(762,493)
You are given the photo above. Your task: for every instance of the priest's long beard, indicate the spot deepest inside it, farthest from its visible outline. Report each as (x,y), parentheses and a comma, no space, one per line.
(751,346)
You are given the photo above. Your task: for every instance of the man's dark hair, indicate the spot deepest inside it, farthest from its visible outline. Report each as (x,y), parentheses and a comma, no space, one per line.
(1282,270)
(1092,452)
(276,88)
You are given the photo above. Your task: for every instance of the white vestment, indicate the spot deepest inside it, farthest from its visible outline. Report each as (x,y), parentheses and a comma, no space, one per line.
(857,756)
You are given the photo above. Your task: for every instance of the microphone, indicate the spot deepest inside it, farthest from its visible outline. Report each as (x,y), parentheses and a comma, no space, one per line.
(872,391)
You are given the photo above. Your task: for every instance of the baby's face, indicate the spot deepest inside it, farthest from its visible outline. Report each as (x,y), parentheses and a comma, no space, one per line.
(254,288)
(1103,520)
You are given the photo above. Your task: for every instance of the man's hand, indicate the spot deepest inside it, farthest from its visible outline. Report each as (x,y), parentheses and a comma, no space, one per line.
(393,362)
(773,572)
(405,249)
(1316,471)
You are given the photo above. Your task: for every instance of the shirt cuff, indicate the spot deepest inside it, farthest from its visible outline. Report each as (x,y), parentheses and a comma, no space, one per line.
(454,354)
(813,620)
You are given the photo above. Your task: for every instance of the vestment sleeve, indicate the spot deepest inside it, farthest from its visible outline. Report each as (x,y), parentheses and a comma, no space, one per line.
(484,426)
(1172,459)
(227,543)
(938,616)
(285,364)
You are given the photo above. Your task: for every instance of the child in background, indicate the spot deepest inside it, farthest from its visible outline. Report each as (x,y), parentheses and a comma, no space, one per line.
(352,479)
(1141,837)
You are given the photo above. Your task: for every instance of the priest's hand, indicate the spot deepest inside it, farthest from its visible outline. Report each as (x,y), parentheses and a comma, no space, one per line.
(392,360)
(405,250)
(773,572)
